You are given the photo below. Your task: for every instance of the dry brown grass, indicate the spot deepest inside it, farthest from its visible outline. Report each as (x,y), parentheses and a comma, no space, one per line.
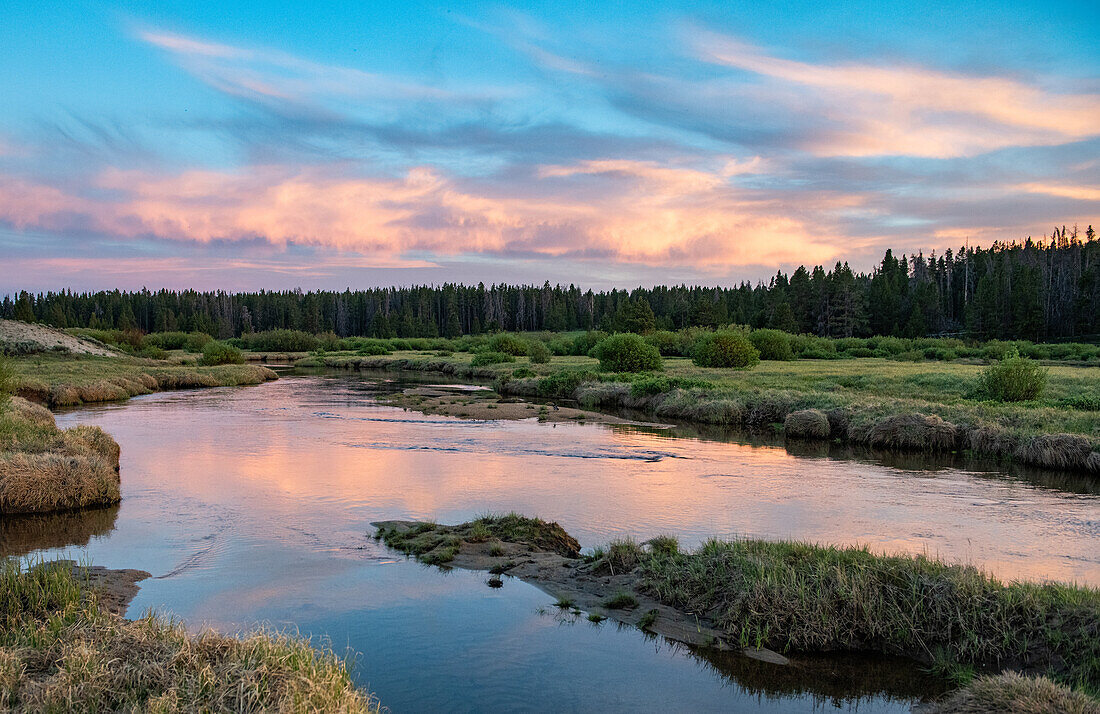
(912,432)
(1059,451)
(61,652)
(807,424)
(44,469)
(70,380)
(1011,692)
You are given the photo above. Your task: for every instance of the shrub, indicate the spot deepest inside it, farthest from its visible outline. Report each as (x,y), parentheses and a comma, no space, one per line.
(538,352)
(560,346)
(861,352)
(373,349)
(215,353)
(667,343)
(564,383)
(196,341)
(772,344)
(167,340)
(627,352)
(583,344)
(725,349)
(280,341)
(1014,379)
(482,359)
(523,373)
(508,344)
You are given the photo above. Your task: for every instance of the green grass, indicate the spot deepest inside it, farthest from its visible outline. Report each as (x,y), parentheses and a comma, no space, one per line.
(61,652)
(621,601)
(803,597)
(65,380)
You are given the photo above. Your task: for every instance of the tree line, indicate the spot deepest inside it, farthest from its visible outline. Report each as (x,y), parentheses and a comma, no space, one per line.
(1034,290)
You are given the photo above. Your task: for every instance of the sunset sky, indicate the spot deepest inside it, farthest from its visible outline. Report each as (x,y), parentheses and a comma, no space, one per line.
(245,145)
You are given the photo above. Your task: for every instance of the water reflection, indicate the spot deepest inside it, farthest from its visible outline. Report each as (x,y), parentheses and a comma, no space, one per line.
(253,505)
(23,534)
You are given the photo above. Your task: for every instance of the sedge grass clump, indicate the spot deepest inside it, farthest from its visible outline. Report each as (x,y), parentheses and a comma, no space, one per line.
(621,600)
(60,651)
(45,469)
(1014,379)
(1014,692)
(803,597)
(623,555)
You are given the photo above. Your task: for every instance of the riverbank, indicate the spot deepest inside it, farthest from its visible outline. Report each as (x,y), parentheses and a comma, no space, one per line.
(61,380)
(766,598)
(45,469)
(899,406)
(64,647)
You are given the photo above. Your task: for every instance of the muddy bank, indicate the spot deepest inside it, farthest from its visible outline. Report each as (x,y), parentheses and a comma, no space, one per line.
(764,598)
(114,590)
(544,555)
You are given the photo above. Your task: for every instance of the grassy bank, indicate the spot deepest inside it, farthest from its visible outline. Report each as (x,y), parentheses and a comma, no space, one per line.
(61,651)
(45,469)
(70,379)
(917,406)
(797,597)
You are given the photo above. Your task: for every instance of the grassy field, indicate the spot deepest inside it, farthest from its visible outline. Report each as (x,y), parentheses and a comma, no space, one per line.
(60,651)
(928,405)
(45,469)
(70,379)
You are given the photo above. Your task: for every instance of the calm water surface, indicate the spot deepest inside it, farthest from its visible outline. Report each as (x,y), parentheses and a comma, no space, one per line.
(252,505)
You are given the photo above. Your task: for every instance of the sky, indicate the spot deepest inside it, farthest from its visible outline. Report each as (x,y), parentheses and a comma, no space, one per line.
(247,145)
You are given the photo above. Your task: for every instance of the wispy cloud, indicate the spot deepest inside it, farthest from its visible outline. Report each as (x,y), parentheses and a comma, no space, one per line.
(912,111)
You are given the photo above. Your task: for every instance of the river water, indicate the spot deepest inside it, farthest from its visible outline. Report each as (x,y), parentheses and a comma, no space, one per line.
(252,506)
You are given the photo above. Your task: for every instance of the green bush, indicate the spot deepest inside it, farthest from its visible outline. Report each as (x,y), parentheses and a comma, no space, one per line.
(772,344)
(508,344)
(627,352)
(725,349)
(373,349)
(523,373)
(215,353)
(167,340)
(196,341)
(564,383)
(861,352)
(667,343)
(538,352)
(280,341)
(583,344)
(1014,379)
(483,359)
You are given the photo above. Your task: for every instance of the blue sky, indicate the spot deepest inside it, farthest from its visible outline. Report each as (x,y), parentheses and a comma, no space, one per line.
(243,145)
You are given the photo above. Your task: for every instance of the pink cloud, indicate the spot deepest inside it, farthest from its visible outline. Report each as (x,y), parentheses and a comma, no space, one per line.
(884,110)
(636,212)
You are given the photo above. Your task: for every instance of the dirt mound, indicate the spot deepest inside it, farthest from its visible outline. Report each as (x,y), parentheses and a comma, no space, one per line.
(27,338)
